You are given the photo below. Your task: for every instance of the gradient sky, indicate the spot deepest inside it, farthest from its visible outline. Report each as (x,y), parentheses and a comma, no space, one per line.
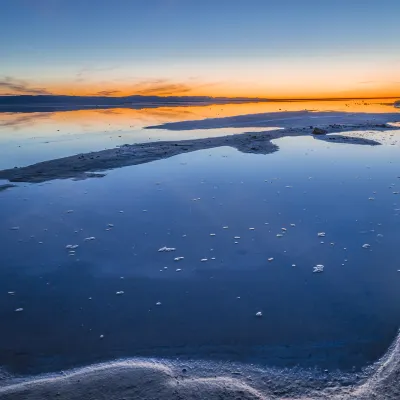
(266,48)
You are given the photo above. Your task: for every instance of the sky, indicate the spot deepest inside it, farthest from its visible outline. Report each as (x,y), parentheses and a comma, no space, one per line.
(235,48)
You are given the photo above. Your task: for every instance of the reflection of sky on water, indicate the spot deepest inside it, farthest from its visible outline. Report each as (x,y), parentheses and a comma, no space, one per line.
(27,138)
(346,316)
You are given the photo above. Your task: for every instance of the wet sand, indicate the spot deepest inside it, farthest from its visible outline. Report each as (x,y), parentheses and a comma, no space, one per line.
(300,123)
(151,380)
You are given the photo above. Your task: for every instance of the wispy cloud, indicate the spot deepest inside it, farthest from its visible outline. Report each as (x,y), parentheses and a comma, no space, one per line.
(18,86)
(107,93)
(165,87)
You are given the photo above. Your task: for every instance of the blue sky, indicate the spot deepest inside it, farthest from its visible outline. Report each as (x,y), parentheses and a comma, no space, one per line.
(235,47)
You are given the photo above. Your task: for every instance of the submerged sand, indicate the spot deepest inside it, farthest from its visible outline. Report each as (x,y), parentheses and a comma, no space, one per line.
(300,123)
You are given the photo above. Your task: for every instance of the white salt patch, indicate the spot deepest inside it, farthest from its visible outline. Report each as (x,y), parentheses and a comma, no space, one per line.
(178,270)
(165,248)
(279,235)
(366,246)
(293,225)
(251,229)
(318,268)
(72,246)
(178,258)
(259,314)
(271,259)
(89,238)
(321,234)
(158,303)
(212,234)
(225,227)
(237,237)
(19,310)
(120,292)
(204,260)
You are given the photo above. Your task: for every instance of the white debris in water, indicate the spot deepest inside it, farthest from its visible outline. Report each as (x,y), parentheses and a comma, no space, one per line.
(237,237)
(293,225)
(72,246)
(204,260)
(318,268)
(212,234)
(279,235)
(119,293)
(11,293)
(225,227)
(19,310)
(178,258)
(165,248)
(284,229)
(212,258)
(110,225)
(89,238)
(270,259)
(321,234)
(158,303)
(101,336)
(178,270)
(371,198)
(366,246)
(259,314)
(293,265)
(251,229)
(69,211)
(15,228)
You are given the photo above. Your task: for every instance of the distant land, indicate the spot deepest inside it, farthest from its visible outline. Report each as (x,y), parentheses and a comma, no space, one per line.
(49,103)
(40,103)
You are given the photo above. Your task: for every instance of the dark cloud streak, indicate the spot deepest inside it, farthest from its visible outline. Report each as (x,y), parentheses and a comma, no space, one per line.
(20,87)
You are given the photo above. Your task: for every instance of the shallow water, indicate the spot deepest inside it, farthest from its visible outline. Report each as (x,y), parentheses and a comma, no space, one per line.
(27,138)
(344,318)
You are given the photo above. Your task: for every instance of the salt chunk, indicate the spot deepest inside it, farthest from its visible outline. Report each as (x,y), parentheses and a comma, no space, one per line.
(321,234)
(204,260)
(89,238)
(259,314)
(72,246)
(225,227)
(212,234)
(158,303)
(270,259)
(19,310)
(366,246)
(165,248)
(279,235)
(251,229)
(120,292)
(178,258)
(178,270)
(318,268)
(237,237)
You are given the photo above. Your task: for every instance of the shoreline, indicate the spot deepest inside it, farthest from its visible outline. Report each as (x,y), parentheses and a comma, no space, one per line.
(151,379)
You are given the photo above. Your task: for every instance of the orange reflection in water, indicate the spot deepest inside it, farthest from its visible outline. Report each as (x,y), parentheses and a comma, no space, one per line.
(125,118)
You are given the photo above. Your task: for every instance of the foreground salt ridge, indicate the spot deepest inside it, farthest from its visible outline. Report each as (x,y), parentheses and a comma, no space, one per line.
(302,123)
(151,380)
